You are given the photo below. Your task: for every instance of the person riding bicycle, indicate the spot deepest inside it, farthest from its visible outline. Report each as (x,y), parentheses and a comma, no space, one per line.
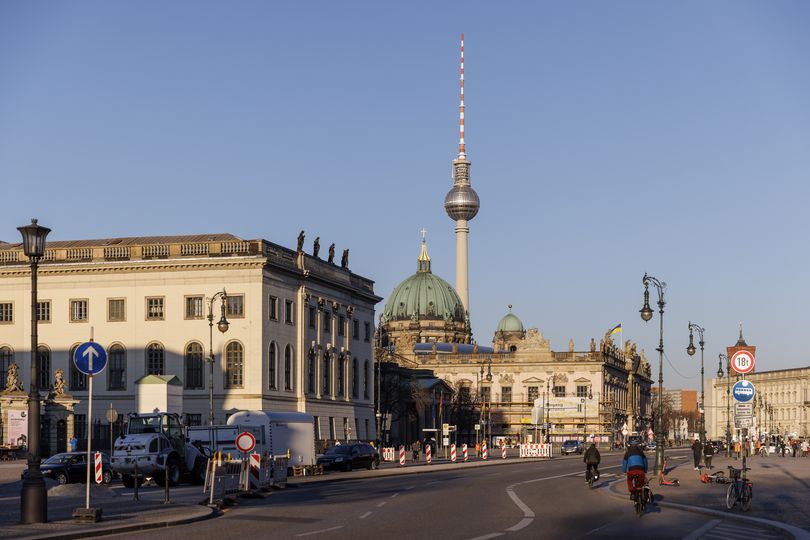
(592,459)
(635,466)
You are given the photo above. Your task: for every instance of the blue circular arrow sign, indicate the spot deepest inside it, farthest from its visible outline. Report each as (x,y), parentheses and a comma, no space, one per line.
(90,354)
(743,391)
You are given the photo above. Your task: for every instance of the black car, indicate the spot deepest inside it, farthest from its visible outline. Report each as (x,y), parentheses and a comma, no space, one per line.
(72,467)
(346,457)
(571,447)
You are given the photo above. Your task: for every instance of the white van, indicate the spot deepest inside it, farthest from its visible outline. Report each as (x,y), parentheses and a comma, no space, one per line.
(282,431)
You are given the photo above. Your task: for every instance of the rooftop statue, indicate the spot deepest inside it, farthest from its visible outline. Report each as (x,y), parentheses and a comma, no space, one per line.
(332,253)
(300,241)
(316,246)
(344,261)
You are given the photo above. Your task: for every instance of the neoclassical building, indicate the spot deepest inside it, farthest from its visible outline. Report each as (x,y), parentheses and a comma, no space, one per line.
(299,337)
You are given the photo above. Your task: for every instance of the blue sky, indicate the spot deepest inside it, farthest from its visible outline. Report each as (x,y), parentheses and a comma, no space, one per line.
(606,138)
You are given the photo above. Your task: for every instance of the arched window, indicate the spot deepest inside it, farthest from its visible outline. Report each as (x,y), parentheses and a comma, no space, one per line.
(355,376)
(194,365)
(155,359)
(117,374)
(6,359)
(44,360)
(341,391)
(78,380)
(272,359)
(234,365)
(311,372)
(327,372)
(365,380)
(288,357)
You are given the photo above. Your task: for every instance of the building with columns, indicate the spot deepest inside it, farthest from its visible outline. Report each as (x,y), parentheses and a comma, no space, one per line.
(299,335)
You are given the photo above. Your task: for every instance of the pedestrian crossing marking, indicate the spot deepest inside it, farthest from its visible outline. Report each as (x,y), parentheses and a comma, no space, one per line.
(730,531)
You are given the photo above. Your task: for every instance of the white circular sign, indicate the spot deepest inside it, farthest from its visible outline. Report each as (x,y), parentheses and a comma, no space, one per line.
(245,442)
(743,361)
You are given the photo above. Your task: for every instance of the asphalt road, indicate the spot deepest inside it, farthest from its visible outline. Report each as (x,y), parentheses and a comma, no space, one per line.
(547,499)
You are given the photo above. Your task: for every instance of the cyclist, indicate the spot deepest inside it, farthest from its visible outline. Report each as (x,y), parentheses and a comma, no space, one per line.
(635,465)
(592,459)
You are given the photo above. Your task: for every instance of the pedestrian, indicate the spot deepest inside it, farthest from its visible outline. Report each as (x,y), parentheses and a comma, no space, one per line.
(697,449)
(793,444)
(736,449)
(415,447)
(74,444)
(708,452)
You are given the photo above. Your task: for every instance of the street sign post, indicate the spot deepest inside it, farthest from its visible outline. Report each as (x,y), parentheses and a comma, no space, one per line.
(742,362)
(245,442)
(743,391)
(744,409)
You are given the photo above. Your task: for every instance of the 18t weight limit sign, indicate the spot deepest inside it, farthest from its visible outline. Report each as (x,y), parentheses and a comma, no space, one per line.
(743,362)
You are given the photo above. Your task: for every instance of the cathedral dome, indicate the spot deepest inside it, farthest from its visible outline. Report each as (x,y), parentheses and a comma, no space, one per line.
(510,323)
(424,296)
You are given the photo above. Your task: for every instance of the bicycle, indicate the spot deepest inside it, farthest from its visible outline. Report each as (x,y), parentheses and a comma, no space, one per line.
(642,495)
(592,476)
(763,451)
(740,490)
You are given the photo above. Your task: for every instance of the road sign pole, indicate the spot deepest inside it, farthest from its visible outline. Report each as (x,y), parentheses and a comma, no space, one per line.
(89,419)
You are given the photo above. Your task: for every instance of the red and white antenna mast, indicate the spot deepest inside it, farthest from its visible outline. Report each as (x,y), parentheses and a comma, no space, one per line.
(461,150)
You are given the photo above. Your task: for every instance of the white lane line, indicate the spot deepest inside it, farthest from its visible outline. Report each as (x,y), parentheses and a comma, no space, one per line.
(394,495)
(597,529)
(527,512)
(434,482)
(700,531)
(487,536)
(409,488)
(523,523)
(380,505)
(320,531)
(364,516)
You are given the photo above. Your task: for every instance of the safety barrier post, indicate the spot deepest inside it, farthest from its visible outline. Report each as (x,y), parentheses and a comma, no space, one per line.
(428,455)
(503,450)
(484,453)
(453,453)
(464,452)
(401,455)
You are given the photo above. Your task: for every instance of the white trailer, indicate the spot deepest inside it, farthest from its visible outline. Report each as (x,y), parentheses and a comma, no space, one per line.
(282,431)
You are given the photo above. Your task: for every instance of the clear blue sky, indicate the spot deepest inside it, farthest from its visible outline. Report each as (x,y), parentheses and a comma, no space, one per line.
(606,138)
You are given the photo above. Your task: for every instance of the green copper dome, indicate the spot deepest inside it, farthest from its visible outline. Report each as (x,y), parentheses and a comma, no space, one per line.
(510,323)
(424,295)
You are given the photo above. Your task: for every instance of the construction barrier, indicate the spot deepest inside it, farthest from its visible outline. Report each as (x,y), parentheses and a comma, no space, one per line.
(388,454)
(402,455)
(281,465)
(453,453)
(464,451)
(428,454)
(536,450)
(98,468)
(503,450)
(222,479)
(484,453)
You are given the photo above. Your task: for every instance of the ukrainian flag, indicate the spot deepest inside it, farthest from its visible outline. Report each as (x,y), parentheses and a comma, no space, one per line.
(616,329)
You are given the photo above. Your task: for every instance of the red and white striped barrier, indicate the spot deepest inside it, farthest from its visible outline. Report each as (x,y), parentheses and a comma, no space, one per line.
(453,453)
(484,453)
(254,472)
(389,454)
(401,455)
(536,450)
(428,455)
(464,451)
(99,469)
(503,451)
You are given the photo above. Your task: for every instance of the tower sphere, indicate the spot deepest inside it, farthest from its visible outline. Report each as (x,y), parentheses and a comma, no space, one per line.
(461,202)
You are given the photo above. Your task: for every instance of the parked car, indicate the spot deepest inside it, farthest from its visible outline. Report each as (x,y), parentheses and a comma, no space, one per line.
(346,457)
(71,467)
(718,446)
(635,439)
(651,445)
(571,447)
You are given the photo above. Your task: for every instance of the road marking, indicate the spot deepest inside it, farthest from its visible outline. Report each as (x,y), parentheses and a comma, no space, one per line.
(434,482)
(527,512)
(522,524)
(394,495)
(697,533)
(320,531)
(597,529)
(364,516)
(409,488)
(380,505)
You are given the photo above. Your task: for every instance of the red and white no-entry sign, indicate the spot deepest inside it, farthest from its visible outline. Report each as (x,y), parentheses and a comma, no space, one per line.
(245,442)
(742,361)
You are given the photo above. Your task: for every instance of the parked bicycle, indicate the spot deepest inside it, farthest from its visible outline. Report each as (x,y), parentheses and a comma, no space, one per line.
(642,495)
(740,490)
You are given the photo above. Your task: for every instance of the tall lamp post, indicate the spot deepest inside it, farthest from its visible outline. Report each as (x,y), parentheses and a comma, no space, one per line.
(222,326)
(34,497)
(646,314)
(722,357)
(691,352)
(585,414)
(481,377)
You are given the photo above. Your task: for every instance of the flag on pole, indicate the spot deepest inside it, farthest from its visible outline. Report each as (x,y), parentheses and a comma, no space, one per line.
(616,329)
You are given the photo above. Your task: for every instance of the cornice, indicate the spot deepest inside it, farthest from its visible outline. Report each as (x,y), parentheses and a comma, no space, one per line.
(120,267)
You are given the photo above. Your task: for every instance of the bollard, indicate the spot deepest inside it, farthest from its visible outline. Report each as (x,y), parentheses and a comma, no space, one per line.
(464,452)
(428,455)
(401,455)
(166,496)
(453,453)
(503,450)
(484,453)
(137,483)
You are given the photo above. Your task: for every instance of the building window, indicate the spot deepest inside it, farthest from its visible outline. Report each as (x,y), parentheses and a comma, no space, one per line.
(6,359)
(288,360)
(234,364)
(357,428)
(273,305)
(332,427)
(355,376)
(506,394)
(44,359)
(194,365)
(6,312)
(464,394)
(272,358)
(327,372)
(311,373)
(80,426)
(534,393)
(155,359)
(486,394)
(117,377)
(559,391)
(368,435)
(78,311)
(154,308)
(316,424)
(341,376)
(78,380)
(194,307)
(327,322)
(356,329)
(193,419)
(236,306)
(312,317)
(366,331)
(289,313)
(116,309)
(44,311)
(341,325)
(365,380)
(582,390)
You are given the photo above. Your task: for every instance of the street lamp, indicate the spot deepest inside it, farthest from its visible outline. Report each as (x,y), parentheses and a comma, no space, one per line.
(481,394)
(722,357)
(34,497)
(222,326)
(646,314)
(585,414)
(691,351)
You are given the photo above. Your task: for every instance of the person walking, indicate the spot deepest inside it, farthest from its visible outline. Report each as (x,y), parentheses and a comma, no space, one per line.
(74,444)
(415,447)
(697,450)
(736,449)
(708,452)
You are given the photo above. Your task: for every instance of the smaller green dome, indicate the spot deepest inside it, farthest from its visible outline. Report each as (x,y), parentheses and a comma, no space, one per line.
(510,323)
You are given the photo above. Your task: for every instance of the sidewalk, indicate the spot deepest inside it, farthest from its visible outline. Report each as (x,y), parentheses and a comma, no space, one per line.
(780,490)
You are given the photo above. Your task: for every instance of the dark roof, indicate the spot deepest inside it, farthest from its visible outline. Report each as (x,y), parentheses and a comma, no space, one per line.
(136,241)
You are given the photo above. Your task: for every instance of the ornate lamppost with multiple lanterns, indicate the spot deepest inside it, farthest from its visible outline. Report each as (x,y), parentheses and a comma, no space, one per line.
(222,326)
(690,350)
(646,314)
(722,357)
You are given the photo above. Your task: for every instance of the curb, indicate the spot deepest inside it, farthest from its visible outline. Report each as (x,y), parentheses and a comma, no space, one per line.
(203,514)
